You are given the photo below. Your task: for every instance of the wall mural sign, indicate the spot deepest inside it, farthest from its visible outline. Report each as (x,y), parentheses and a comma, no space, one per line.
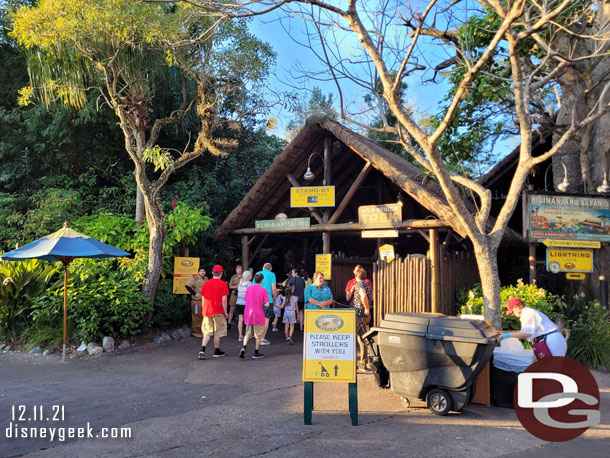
(562,217)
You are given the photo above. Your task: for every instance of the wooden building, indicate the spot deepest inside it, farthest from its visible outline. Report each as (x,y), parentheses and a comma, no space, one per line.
(433,257)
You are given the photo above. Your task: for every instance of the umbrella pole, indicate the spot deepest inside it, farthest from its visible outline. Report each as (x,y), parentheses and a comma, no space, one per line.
(63,353)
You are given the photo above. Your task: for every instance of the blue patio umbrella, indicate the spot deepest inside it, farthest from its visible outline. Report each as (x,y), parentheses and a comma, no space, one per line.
(64,246)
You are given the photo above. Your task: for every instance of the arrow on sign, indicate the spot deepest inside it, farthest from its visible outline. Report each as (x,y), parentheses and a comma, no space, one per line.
(336,369)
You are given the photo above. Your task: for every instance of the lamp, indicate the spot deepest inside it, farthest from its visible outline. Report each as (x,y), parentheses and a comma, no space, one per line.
(309,175)
(563,187)
(604,188)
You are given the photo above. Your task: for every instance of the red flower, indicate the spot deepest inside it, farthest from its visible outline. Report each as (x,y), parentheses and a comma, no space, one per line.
(205,202)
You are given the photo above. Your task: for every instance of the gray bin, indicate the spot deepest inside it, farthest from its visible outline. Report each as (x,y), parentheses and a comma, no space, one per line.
(432,357)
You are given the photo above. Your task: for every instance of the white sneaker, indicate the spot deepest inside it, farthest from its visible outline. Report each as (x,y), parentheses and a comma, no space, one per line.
(275,329)
(240,339)
(265,342)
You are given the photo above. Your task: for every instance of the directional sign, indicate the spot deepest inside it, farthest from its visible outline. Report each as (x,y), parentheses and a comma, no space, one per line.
(270,225)
(324,264)
(380,234)
(575,276)
(184,270)
(329,350)
(572,243)
(312,196)
(567,260)
(386,252)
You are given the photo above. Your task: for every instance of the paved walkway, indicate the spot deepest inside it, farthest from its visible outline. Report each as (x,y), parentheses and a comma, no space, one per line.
(178,406)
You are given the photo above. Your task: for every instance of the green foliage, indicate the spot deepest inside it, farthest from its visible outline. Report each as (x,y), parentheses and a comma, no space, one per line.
(20,284)
(317,104)
(589,341)
(102,300)
(170,309)
(531,295)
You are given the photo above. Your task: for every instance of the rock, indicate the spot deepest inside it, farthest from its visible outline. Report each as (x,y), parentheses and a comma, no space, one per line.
(35,351)
(162,338)
(82,348)
(124,345)
(2,346)
(47,352)
(185,331)
(176,335)
(108,344)
(7,348)
(94,349)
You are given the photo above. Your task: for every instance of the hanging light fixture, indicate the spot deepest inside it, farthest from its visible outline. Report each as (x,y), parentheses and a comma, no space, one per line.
(563,187)
(309,175)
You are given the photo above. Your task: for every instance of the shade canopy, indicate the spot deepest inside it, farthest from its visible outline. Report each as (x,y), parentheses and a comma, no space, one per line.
(65,244)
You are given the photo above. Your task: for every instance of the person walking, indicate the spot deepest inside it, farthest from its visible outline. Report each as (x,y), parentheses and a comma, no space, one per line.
(233,284)
(270,284)
(536,327)
(290,306)
(254,316)
(194,286)
(214,294)
(241,302)
(298,284)
(318,295)
(362,299)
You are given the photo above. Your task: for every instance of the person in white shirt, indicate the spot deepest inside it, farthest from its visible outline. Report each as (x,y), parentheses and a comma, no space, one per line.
(537,328)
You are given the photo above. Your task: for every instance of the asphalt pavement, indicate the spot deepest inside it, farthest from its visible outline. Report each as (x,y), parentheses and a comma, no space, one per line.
(175,405)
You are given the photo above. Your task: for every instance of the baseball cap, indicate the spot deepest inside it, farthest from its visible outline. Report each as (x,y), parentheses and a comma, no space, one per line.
(217,268)
(511,304)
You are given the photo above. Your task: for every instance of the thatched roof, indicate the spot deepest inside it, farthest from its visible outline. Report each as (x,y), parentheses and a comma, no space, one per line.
(271,192)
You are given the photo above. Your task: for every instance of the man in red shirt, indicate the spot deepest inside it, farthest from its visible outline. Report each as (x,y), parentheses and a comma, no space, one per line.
(214,297)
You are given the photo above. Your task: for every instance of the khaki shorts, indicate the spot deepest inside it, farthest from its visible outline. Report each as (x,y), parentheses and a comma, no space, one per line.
(215,325)
(256,329)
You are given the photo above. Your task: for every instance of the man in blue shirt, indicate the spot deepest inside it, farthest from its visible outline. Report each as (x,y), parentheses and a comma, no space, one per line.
(269,283)
(318,295)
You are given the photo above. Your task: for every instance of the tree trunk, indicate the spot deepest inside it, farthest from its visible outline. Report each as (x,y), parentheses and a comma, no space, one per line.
(487,263)
(140,207)
(155,218)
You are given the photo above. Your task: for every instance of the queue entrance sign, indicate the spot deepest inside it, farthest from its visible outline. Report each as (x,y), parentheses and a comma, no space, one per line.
(329,355)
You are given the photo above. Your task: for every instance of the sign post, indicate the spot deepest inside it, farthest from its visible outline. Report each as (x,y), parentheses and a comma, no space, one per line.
(329,355)
(184,270)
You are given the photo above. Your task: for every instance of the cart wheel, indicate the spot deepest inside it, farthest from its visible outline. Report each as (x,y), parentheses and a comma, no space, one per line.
(405,402)
(439,401)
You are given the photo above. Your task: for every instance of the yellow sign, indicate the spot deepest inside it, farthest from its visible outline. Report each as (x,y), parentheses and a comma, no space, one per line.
(386,252)
(574,276)
(386,215)
(324,264)
(380,234)
(329,350)
(312,196)
(572,243)
(184,270)
(566,260)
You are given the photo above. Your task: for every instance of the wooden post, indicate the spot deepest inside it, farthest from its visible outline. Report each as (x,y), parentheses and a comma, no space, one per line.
(435,268)
(532,262)
(325,242)
(327,177)
(63,348)
(245,252)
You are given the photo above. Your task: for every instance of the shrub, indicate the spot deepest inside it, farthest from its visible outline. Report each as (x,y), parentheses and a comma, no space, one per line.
(170,309)
(102,300)
(589,341)
(533,296)
(20,283)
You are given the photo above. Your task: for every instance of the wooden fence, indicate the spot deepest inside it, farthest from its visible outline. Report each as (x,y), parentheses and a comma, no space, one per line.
(403,285)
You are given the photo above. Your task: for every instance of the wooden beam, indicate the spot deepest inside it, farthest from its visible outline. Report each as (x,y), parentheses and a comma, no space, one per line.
(424,235)
(260,245)
(245,252)
(448,237)
(252,239)
(296,183)
(408,224)
(435,270)
(350,193)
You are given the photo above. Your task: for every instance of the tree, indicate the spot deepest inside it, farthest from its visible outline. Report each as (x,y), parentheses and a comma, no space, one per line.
(131,52)
(390,56)
(317,104)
